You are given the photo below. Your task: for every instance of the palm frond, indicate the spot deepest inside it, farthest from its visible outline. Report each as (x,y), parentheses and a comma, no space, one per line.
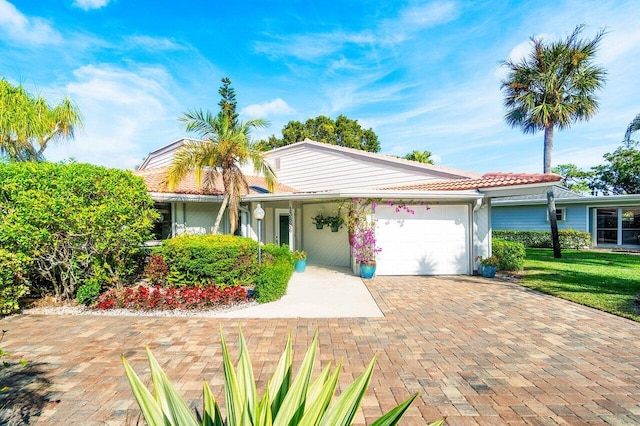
(634,126)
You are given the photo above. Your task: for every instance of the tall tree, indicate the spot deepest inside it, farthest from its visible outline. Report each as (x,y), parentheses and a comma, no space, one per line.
(574,178)
(342,132)
(226,146)
(621,172)
(553,87)
(228,102)
(28,124)
(419,156)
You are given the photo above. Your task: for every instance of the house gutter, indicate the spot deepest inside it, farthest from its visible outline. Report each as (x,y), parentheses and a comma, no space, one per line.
(590,200)
(414,195)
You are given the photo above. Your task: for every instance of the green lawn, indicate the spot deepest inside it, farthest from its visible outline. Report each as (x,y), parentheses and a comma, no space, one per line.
(602,280)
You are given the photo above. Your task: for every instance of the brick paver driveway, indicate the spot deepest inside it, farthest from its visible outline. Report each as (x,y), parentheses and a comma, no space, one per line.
(479,351)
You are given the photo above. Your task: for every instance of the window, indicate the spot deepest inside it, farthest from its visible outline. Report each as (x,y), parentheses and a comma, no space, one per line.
(561,214)
(618,226)
(162,228)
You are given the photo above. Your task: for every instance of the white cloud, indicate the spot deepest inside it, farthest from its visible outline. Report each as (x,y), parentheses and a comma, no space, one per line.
(430,14)
(23,29)
(275,107)
(127,113)
(90,4)
(152,43)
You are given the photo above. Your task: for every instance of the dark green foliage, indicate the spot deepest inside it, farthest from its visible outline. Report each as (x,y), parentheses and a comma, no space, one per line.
(275,272)
(88,292)
(224,260)
(13,284)
(75,222)
(510,254)
(621,172)
(573,178)
(342,132)
(228,102)
(569,238)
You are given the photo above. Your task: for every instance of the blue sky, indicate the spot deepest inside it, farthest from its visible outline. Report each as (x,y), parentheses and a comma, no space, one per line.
(423,75)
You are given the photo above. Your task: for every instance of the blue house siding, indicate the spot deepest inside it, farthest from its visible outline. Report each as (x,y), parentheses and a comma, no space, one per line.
(534,218)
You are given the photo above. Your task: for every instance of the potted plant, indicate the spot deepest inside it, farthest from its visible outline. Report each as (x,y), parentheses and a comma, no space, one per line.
(488,266)
(319,220)
(301,260)
(363,244)
(335,222)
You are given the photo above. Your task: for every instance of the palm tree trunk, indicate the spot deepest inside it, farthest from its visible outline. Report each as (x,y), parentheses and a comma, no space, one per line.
(216,225)
(551,201)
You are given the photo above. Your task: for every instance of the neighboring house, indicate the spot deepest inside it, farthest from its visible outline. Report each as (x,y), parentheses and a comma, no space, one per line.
(612,220)
(449,229)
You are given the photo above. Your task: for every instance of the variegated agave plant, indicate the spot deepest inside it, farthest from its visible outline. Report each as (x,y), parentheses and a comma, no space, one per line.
(303,402)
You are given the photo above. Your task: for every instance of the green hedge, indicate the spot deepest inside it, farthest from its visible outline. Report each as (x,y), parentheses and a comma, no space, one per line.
(275,273)
(12,282)
(76,222)
(510,254)
(224,260)
(569,238)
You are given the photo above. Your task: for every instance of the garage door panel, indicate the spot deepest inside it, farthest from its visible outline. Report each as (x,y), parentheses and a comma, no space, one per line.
(428,242)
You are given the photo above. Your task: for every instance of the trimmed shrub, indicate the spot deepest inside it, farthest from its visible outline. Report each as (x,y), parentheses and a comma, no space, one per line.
(225,260)
(275,273)
(510,254)
(569,238)
(13,285)
(76,222)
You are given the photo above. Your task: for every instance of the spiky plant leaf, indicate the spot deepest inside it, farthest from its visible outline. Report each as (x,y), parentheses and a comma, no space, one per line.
(392,417)
(150,409)
(264,415)
(233,397)
(315,388)
(246,381)
(167,396)
(345,407)
(212,416)
(293,405)
(281,380)
(316,407)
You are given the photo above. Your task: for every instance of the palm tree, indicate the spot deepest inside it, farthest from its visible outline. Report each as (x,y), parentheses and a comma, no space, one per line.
(420,156)
(225,147)
(634,126)
(28,123)
(553,87)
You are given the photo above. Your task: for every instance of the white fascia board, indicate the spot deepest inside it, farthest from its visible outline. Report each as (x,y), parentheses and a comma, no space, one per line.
(184,198)
(409,195)
(515,190)
(609,200)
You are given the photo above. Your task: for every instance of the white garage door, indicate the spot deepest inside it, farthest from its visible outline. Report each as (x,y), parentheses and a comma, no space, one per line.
(428,242)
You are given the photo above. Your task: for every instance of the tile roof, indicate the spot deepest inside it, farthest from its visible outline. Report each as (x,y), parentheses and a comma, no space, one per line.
(155,179)
(488,180)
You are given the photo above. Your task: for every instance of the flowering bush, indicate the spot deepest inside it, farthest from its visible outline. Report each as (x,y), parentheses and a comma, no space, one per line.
(157,297)
(363,242)
(488,261)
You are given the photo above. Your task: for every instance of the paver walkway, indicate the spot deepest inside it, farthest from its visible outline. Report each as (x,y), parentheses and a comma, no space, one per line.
(479,351)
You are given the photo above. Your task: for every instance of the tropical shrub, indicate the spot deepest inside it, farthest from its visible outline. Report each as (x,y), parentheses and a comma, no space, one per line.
(88,291)
(510,254)
(569,238)
(226,260)
(157,297)
(75,222)
(275,273)
(156,270)
(303,402)
(13,285)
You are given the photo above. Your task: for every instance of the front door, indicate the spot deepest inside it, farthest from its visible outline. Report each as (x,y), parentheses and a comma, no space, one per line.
(284,233)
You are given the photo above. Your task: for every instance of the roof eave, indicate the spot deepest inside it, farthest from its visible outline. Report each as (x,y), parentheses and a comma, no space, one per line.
(587,200)
(514,190)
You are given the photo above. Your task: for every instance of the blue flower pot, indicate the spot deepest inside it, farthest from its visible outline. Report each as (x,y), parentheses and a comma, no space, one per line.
(300,265)
(488,271)
(367,271)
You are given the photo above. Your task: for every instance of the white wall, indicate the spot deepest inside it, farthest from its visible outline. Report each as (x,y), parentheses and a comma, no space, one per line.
(324,247)
(481,232)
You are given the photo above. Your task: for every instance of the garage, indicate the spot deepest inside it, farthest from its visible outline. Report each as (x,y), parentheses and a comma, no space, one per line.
(431,241)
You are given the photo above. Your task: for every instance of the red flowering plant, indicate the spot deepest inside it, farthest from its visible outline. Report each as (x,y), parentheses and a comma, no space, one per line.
(157,297)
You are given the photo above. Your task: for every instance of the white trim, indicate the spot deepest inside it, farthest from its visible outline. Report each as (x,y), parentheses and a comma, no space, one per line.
(280,212)
(563,214)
